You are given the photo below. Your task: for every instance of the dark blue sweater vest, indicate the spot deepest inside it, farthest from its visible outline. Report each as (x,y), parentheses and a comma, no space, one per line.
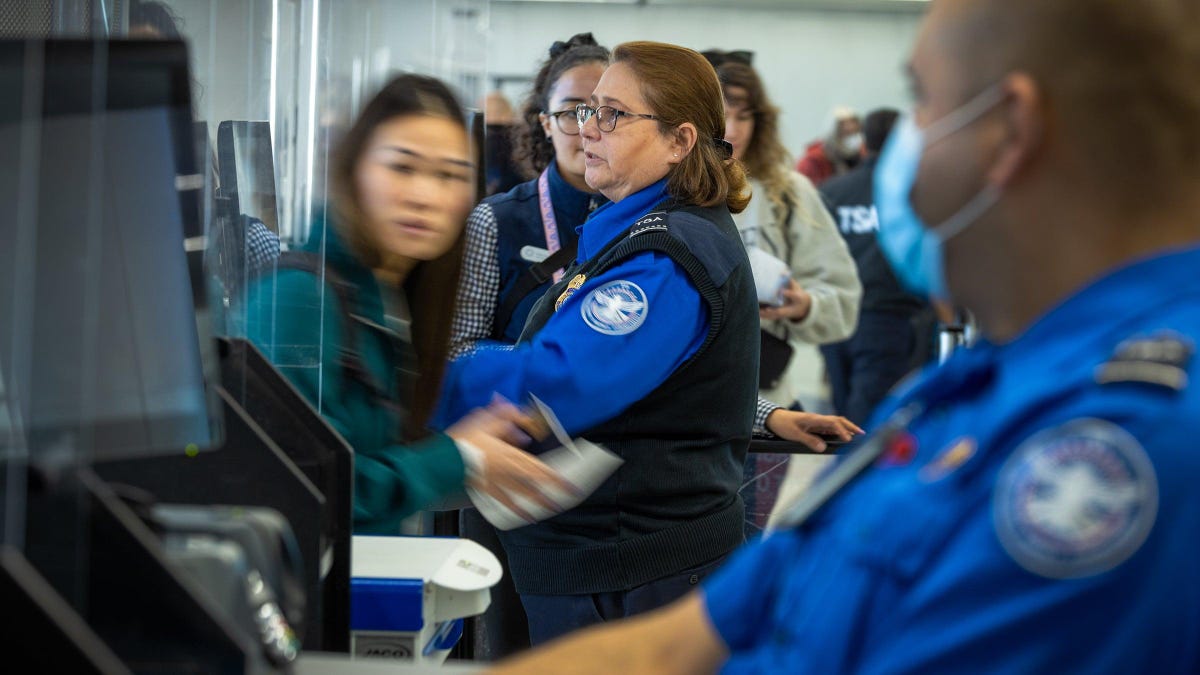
(674,504)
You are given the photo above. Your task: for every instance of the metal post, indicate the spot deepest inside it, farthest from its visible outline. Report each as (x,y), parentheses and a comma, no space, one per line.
(960,333)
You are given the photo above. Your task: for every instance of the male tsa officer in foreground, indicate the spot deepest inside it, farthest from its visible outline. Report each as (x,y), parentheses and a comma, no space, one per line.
(1032,505)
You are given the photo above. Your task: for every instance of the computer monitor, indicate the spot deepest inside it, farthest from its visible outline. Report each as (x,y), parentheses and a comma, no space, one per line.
(102,320)
(287,418)
(247,171)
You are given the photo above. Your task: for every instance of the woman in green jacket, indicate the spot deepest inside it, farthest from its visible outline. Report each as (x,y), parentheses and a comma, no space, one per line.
(359,321)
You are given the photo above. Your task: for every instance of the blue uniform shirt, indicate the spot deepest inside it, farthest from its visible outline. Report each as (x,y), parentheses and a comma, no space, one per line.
(1038,514)
(586,370)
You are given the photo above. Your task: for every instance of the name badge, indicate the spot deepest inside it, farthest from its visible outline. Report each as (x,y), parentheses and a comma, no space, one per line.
(534,254)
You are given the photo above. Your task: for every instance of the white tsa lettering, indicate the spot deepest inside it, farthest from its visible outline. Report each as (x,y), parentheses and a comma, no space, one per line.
(858,219)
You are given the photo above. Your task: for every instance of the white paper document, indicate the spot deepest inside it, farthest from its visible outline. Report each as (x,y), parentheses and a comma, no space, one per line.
(771,276)
(581,462)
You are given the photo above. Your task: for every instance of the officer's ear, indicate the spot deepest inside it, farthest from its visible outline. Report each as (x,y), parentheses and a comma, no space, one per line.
(1023,120)
(683,139)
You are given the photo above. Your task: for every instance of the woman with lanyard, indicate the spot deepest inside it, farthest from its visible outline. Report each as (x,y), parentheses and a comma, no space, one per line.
(517,243)
(640,347)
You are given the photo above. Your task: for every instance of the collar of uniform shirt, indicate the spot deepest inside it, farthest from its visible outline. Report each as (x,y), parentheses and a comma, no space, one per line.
(614,218)
(1107,303)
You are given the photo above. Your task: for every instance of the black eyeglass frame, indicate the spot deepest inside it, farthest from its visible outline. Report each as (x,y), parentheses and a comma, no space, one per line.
(558,115)
(585,112)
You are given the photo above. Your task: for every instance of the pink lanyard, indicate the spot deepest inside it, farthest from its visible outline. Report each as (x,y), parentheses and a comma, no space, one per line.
(549,222)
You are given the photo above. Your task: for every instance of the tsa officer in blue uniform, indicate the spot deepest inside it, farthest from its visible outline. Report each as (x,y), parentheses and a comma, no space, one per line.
(648,346)
(517,246)
(1030,506)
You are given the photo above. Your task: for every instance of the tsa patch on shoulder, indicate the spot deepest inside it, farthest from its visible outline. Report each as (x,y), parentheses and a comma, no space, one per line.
(651,222)
(1160,359)
(616,308)
(1075,500)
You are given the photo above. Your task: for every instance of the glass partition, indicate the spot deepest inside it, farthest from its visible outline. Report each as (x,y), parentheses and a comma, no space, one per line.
(276,83)
(17,143)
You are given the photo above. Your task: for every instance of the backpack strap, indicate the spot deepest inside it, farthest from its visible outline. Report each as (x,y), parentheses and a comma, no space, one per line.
(349,358)
(536,275)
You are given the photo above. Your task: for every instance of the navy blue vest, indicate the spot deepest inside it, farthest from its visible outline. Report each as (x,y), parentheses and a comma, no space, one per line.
(519,225)
(674,503)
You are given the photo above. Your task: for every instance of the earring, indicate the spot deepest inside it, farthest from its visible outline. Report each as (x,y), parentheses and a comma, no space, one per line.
(677,155)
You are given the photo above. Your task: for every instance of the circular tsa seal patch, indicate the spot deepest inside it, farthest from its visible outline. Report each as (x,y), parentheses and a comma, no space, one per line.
(1075,500)
(616,308)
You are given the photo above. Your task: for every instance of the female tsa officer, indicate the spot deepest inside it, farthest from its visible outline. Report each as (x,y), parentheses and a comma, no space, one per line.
(645,346)
(402,187)
(517,243)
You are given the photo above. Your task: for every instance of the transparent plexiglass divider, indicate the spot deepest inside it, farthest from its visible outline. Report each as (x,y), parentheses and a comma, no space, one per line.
(762,476)
(20,70)
(275,85)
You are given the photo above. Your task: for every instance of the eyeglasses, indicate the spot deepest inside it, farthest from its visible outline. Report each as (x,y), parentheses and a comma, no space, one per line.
(718,58)
(606,116)
(567,121)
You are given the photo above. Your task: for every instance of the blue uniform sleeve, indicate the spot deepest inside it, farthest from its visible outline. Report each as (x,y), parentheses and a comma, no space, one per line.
(586,363)
(740,597)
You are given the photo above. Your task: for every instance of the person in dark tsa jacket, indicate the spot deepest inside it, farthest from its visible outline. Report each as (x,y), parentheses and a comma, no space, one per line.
(1029,506)
(375,285)
(895,327)
(647,345)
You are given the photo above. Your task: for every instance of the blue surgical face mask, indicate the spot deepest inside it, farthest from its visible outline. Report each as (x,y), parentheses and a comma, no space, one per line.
(914,249)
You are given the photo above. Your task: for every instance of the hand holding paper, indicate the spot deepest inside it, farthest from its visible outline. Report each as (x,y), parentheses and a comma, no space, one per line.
(583,464)
(488,440)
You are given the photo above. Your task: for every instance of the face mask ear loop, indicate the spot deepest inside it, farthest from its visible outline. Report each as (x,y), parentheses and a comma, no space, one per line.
(964,114)
(968,214)
(954,121)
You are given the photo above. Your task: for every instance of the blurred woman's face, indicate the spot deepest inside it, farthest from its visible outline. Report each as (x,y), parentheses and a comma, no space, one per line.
(635,154)
(573,87)
(739,121)
(415,182)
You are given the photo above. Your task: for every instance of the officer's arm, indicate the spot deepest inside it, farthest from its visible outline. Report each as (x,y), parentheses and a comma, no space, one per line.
(676,639)
(587,372)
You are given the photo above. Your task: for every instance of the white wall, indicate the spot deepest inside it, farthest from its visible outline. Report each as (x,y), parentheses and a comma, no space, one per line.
(230,42)
(810,60)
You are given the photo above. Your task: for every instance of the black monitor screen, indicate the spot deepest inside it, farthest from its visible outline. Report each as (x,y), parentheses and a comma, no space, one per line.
(99,336)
